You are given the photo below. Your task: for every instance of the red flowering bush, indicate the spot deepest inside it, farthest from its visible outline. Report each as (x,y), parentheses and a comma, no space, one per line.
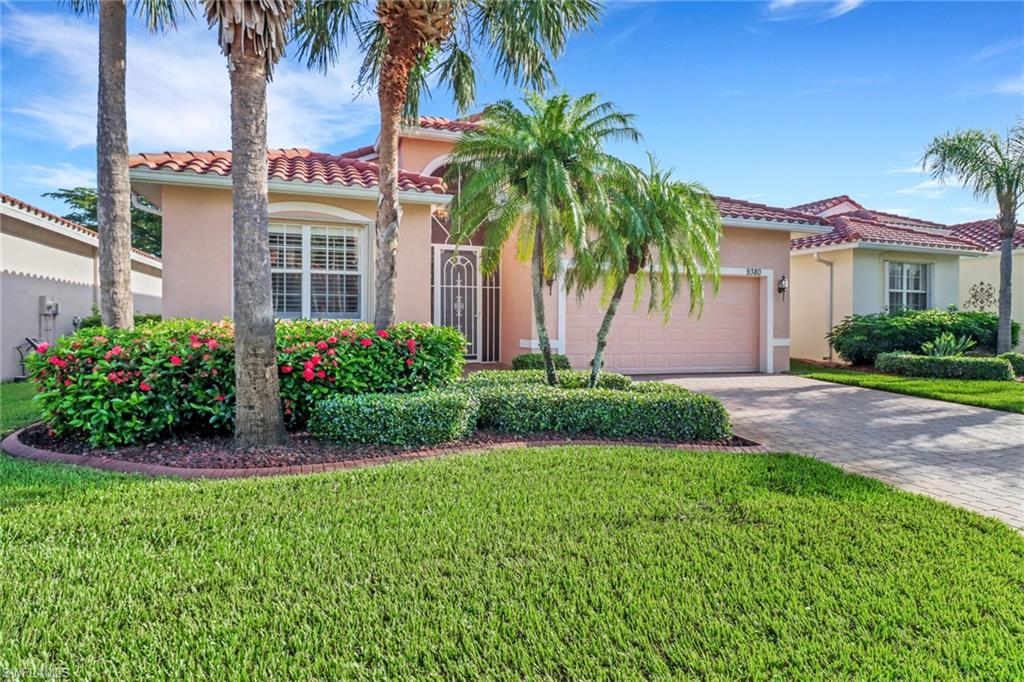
(115,387)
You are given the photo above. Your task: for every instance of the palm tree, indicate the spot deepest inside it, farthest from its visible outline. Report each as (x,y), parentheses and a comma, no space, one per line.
(537,174)
(993,167)
(658,231)
(113,209)
(409,41)
(252,35)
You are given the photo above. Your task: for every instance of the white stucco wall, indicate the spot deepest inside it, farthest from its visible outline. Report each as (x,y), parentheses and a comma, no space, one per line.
(869,294)
(986,269)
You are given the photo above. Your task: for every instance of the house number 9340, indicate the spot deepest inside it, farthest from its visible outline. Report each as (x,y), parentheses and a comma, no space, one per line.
(753,272)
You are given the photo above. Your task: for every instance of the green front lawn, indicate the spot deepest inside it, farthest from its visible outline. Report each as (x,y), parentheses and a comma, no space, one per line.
(577,563)
(16,407)
(998,395)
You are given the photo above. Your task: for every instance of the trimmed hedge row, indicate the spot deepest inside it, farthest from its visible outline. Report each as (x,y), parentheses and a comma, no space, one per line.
(93,321)
(1016,361)
(395,418)
(860,338)
(653,411)
(536,361)
(114,387)
(567,378)
(966,367)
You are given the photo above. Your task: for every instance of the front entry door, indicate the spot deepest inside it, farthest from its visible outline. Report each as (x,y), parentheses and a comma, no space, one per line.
(457,293)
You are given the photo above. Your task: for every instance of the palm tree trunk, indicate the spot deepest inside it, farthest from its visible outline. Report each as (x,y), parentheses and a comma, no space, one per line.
(602,334)
(537,277)
(258,418)
(1003,338)
(113,205)
(394,83)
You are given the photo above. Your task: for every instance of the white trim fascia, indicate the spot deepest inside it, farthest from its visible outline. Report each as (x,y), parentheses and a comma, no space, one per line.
(70,232)
(780,343)
(190,179)
(775,225)
(882,246)
(430,134)
(435,163)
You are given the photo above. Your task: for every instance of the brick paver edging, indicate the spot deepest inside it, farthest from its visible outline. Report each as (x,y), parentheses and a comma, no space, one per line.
(13,446)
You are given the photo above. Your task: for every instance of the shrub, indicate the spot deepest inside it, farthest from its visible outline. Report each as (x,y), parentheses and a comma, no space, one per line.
(996,369)
(1016,361)
(567,378)
(536,361)
(116,387)
(94,320)
(946,345)
(859,338)
(395,418)
(668,412)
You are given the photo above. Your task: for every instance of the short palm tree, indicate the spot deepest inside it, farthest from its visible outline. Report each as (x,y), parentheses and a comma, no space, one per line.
(410,40)
(660,232)
(537,174)
(993,168)
(253,36)
(113,208)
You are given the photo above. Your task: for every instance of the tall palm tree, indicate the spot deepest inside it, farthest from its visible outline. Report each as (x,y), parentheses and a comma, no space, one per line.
(252,33)
(537,174)
(410,40)
(113,208)
(993,167)
(658,231)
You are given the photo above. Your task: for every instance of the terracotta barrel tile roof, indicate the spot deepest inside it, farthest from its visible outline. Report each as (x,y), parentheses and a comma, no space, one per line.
(46,215)
(291,165)
(454,125)
(737,208)
(849,228)
(816,207)
(985,233)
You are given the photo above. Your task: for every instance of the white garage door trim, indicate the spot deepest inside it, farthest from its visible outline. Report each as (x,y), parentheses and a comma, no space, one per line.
(768,341)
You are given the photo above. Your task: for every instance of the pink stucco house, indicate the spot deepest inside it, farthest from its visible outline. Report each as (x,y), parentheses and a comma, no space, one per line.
(322,208)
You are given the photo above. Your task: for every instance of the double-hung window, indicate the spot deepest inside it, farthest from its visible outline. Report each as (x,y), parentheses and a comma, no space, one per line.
(907,286)
(318,271)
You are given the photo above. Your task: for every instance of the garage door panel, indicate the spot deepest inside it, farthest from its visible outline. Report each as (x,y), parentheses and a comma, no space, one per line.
(724,339)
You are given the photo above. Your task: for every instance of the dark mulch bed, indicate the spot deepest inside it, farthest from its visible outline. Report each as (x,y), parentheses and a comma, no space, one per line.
(218,452)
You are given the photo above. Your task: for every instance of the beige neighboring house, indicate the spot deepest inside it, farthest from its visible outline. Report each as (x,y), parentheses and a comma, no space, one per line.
(979,277)
(322,209)
(870,262)
(49,278)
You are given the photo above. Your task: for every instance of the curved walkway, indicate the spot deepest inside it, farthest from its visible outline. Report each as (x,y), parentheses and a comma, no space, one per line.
(968,456)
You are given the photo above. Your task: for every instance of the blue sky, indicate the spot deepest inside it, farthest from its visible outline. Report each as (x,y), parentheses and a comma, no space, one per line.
(779,102)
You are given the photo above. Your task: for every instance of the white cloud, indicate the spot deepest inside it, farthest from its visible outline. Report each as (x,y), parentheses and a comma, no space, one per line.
(909,170)
(821,10)
(177,89)
(62,175)
(929,189)
(994,50)
(1010,86)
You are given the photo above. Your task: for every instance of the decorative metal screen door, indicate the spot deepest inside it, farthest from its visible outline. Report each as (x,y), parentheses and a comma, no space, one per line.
(457,292)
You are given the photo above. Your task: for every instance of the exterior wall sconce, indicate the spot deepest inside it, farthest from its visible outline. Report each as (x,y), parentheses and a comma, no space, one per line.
(783,286)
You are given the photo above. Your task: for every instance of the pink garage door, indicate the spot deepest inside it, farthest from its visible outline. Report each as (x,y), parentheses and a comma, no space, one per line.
(724,339)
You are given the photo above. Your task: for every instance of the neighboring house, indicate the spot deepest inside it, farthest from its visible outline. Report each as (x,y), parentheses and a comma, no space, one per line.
(322,209)
(979,277)
(49,276)
(869,262)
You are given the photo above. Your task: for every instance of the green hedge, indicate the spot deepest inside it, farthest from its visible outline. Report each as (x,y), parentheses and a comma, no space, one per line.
(95,321)
(967,367)
(567,378)
(860,338)
(536,361)
(395,418)
(666,412)
(113,387)
(1016,360)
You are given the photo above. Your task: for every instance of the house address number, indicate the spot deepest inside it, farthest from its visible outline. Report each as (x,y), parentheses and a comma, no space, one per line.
(753,272)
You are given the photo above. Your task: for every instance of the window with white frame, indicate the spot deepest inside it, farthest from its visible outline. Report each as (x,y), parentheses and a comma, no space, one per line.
(907,286)
(317,271)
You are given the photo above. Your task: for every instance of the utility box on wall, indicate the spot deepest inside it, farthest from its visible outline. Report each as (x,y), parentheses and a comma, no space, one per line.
(48,306)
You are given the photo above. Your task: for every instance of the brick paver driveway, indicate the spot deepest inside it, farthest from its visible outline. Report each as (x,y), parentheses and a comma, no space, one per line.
(967,456)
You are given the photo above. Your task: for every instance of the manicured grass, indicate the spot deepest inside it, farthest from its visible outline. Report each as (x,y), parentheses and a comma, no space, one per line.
(1007,396)
(575,563)
(16,408)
